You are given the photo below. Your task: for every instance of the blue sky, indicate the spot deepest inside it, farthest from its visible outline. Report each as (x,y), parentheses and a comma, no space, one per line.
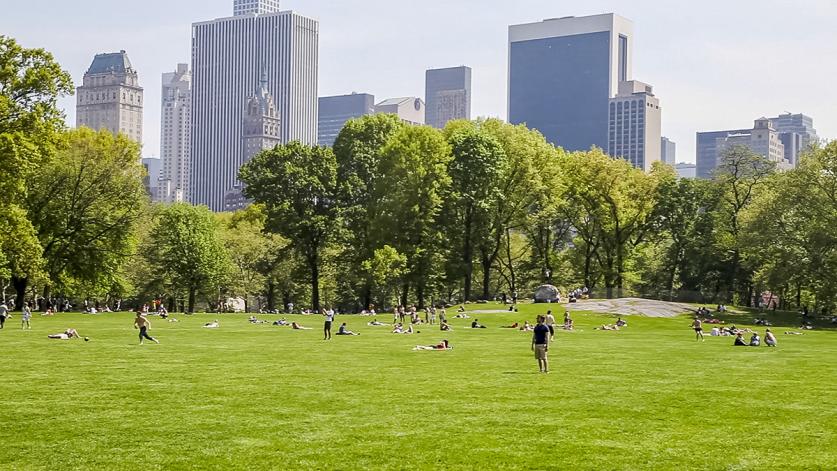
(713,64)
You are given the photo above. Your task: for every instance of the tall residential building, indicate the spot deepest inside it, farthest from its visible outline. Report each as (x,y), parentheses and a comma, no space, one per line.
(334,111)
(762,139)
(668,151)
(635,125)
(259,131)
(153,166)
(175,134)
(254,7)
(110,96)
(563,71)
(228,55)
(447,94)
(409,109)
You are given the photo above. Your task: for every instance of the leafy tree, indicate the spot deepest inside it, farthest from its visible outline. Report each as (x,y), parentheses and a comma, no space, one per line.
(186,252)
(412,187)
(297,185)
(85,205)
(357,150)
(476,169)
(30,84)
(741,174)
(385,268)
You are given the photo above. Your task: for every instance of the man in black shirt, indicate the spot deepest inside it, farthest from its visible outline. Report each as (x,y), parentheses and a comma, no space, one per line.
(540,344)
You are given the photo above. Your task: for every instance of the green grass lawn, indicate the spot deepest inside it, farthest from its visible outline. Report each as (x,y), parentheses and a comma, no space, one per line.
(263,397)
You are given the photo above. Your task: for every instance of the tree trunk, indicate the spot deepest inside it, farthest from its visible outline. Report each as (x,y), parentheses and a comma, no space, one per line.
(405,294)
(468,256)
(486,276)
(315,285)
(271,296)
(420,294)
(512,275)
(191,300)
(20,285)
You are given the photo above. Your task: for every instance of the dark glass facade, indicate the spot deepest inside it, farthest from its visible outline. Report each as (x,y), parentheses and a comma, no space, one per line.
(334,111)
(560,86)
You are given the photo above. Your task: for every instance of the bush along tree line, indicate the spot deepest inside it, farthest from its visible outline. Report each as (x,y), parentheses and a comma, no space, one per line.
(397,214)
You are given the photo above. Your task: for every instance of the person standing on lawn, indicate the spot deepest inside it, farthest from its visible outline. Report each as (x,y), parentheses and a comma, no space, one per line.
(698,326)
(540,345)
(329,318)
(25,317)
(4,311)
(143,324)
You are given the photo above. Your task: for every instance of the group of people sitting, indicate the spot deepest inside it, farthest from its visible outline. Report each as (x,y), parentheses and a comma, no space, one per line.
(755,340)
(764,322)
(578,293)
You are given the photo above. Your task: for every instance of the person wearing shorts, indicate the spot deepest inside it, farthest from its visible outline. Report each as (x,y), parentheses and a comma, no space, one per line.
(698,326)
(329,318)
(549,320)
(540,345)
(143,324)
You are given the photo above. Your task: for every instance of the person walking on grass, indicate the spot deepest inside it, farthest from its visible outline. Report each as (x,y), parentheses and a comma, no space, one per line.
(25,317)
(549,320)
(4,311)
(698,326)
(329,318)
(143,324)
(540,345)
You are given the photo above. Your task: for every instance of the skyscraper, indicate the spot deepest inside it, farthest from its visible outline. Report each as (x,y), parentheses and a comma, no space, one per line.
(110,96)
(668,151)
(410,109)
(228,55)
(762,139)
(175,134)
(634,125)
(259,131)
(254,7)
(798,123)
(334,111)
(447,95)
(563,71)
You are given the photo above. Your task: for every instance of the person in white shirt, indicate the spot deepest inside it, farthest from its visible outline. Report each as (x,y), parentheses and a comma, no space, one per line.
(4,312)
(329,318)
(26,317)
(550,321)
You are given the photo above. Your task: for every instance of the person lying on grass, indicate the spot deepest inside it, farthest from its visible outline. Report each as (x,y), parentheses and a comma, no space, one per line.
(462,316)
(253,320)
(513,326)
(375,322)
(66,335)
(212,325)
(344,331)
(607,327)
(281,322)
(443,345)
(399,329)
(296,326)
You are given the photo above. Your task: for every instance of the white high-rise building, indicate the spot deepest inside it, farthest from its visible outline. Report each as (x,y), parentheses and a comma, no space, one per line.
(254,7)
(410,109)
(228,55)
(635,125)
(175,135)
(110,96)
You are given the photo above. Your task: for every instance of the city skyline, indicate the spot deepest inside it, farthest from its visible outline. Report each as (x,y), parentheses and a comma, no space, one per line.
(706,75)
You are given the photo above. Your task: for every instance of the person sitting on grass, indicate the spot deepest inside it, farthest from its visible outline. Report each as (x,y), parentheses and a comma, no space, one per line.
(477,325)
(344,331)
(461,308)
(769,338)
(445,327)
(621,323)
(513,326)
(212,325)
(296,326)
(755,341)
(66,335)
(739,340)
(443,345)
(398,328)
(527,327)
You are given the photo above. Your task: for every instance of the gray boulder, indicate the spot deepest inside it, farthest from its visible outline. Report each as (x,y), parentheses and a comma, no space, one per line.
(547,294)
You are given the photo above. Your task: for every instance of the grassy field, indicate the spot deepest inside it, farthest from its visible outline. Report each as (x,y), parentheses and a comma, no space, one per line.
(263,397)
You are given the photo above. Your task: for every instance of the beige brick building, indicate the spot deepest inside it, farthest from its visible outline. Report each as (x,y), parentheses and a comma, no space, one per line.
(110,96)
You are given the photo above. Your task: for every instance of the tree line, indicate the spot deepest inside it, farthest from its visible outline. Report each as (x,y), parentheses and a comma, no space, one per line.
(398,214)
